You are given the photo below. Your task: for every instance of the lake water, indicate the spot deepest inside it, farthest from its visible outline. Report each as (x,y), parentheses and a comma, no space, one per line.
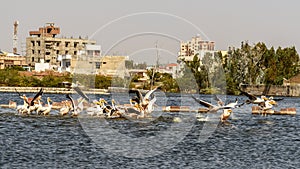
(168,140)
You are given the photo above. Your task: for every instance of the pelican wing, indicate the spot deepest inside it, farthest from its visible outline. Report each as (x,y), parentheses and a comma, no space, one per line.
(72,101)
(138,94)
(250,96)
(277,99)
(233,104)
(18,92)
(203,103)
(148,94)
(79,91)
(40,93)
(220,102)
(151,104)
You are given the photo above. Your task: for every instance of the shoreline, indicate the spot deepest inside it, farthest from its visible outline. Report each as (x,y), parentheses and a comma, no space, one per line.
(63,90)
(50,90)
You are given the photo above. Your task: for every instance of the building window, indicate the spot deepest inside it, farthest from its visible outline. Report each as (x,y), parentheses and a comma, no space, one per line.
(48,46)
(75,52)
(68,64)
(57,52)
(57,44)
(38,43)
(67,44)
(39,51)
(75,44)
(32,43)
(90,53)
(97,52)
(49,30)
(32,51)
(97,65)
(47,53)
(66,52)
(32,59)
(103,63)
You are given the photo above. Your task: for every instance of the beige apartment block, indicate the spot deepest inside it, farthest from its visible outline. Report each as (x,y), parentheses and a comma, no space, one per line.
(10,60)
(113,66)
(195,46)
(44,46)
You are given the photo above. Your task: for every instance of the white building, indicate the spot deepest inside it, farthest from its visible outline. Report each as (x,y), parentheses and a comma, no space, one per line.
(41,66)
(195,46)
(86,62)
(65,63)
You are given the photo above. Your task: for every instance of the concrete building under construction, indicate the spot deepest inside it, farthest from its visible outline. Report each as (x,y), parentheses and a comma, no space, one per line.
(44,46)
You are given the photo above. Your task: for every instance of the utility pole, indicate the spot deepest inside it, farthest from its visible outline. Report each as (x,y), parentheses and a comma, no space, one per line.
(155,67)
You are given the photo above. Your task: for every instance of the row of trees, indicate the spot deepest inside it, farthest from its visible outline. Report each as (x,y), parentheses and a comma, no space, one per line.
(12,77)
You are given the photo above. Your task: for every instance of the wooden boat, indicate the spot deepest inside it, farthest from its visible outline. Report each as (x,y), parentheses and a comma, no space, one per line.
(283,111)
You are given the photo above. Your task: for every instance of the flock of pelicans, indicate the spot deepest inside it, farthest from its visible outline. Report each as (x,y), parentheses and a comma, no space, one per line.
(264,103)
(139,107)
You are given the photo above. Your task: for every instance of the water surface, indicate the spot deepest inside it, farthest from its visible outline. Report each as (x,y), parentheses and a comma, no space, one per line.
(246,141)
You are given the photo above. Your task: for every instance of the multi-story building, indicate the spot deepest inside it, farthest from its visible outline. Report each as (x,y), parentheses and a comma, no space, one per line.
(195,46)
(11,59)
(44,45)
(113,66)
(86,62)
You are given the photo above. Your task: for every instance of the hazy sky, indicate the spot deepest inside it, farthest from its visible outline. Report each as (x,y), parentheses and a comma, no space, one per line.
(136,27)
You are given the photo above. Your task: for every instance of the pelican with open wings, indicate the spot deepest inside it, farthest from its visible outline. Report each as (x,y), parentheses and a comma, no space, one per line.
(263,102)
(227,109)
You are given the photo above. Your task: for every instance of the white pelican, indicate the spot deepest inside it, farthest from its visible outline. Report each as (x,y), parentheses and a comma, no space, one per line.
(267,105)
(46,110)
(112,111)
(210,107)
(264,103)
(97,109)
(227,109)
(143,101)
(65,109)
(226,114)
(76,109)
(253,99)
(22,109)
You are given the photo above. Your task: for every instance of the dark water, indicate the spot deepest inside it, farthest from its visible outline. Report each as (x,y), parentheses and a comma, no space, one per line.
(246,141)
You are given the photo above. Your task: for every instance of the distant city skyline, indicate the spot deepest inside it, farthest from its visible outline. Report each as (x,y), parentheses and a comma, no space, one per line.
(156,25)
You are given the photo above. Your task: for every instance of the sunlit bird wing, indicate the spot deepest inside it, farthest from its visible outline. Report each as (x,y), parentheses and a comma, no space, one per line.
(79,91)
(148,94)
(203,103)
(220,102)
